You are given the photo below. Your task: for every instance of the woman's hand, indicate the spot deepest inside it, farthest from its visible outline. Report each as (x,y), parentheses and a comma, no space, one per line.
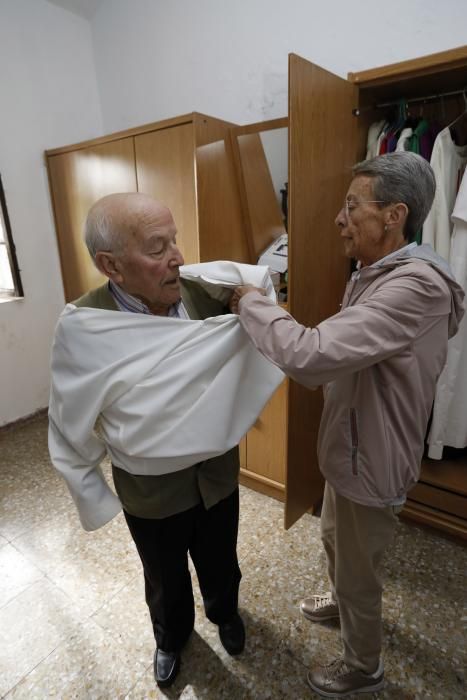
(239,292)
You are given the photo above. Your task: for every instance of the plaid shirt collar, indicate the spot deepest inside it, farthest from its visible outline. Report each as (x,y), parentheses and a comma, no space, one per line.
(127,302)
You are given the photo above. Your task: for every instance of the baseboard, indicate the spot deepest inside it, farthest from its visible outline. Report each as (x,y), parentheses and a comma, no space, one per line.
(25,419)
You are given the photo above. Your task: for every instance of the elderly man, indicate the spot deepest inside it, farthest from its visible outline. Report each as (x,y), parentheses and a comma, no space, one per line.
(132,239)
(379,359)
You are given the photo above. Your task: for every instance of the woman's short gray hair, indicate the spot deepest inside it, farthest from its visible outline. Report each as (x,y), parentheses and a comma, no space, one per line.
(101,232)
(402,177)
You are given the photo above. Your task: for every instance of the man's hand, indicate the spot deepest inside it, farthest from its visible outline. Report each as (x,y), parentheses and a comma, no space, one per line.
(239,292)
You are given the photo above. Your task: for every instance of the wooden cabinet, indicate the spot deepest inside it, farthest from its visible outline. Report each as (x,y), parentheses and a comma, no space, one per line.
(166,170)
(265,448)
(195,165)
(320,107)
(78,178)
(184,162)
(440,497)
(328,124)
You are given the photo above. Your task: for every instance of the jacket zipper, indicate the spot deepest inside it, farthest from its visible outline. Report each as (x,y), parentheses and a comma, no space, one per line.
(354,437)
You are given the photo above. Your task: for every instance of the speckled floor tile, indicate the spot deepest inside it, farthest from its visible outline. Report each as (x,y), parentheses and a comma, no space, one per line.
(29,505)
(126,615)
(74,624)
(268,512)
(31,626)
(61,539)
(415,668)
(206,675)
(94,577)
(88,665)
(17,573)
(24,451)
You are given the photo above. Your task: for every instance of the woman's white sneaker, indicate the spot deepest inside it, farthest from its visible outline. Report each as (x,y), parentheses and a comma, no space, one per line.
(320,608)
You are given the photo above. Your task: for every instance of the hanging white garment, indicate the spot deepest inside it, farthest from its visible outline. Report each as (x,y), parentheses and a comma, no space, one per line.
(403,140)
(448,162)
(373,138)
(381,137)
(449,423)
(169,392)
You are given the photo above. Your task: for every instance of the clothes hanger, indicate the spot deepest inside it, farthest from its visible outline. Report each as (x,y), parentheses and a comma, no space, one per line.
(454,135)
(462,114)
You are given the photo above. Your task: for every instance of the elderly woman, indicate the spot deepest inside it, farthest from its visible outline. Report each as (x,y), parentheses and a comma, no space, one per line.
(379,359)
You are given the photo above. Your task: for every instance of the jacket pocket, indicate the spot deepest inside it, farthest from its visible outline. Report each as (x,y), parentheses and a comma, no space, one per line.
(354,440)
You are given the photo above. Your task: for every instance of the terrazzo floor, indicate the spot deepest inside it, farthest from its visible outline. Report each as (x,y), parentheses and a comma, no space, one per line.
(74,625)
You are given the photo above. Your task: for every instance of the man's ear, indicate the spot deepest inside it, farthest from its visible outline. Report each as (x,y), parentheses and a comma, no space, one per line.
(396,216)
(107,264)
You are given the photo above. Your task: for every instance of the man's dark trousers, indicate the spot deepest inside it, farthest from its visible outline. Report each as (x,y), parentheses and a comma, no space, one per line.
(210,537)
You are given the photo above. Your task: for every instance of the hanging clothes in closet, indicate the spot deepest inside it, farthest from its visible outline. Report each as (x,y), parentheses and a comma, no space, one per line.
(445,229)
(449,423)
(403,131)
(448,162)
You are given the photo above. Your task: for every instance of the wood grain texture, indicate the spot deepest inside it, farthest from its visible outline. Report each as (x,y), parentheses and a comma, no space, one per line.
(165,168)
(258,127)
(322,149)
(429,75)
(77,180)
(242,453)
(262,485)
(417,67)
(118,135)
(441,499)
(222,232)
(267,439)
(261,211)
(210,129)
(446,474)
(439,520)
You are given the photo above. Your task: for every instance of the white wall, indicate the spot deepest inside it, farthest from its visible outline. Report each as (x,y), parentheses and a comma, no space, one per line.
(155,59)
(228,58)
(49,97)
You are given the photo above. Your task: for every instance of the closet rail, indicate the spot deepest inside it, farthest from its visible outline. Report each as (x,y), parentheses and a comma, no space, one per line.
(358,110)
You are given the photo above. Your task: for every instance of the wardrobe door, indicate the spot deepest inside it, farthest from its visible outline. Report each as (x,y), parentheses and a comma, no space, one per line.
(77,180)
(322,149)
(165,167)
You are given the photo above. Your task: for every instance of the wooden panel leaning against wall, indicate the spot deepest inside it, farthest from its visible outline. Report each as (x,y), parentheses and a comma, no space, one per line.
(261,211)
(224,235)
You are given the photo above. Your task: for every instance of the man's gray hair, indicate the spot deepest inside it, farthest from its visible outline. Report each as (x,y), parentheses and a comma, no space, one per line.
(101,233)
(402,177)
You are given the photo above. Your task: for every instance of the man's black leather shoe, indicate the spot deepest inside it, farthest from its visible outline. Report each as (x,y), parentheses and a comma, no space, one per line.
(166,667)
(232,635)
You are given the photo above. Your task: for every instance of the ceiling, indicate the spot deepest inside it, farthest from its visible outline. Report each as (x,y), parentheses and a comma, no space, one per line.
(84,8)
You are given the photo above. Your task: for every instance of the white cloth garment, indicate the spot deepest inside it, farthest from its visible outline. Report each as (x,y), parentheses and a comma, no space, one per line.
(169,392)
(448,162)
(404,138)
(449,423)
(373,138)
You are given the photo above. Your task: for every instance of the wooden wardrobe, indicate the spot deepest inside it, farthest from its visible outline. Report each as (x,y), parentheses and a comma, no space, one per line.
(192,159)
(184,162)
(328,124)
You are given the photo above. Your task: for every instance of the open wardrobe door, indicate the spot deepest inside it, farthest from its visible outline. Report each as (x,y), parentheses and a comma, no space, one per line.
(322,150)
